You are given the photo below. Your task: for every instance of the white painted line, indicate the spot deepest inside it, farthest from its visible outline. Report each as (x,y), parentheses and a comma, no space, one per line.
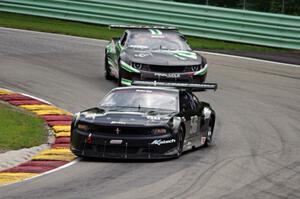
(28,95)
(248,58)
(37,98)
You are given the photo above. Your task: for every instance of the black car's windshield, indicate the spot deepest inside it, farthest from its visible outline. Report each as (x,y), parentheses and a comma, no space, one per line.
(147,41)
(142,98)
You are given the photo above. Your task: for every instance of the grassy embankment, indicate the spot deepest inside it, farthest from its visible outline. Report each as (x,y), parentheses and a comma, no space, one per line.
(101,32)
(20,129)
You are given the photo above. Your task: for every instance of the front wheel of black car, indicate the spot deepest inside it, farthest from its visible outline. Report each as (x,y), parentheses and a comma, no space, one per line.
(180,141)
(107,69)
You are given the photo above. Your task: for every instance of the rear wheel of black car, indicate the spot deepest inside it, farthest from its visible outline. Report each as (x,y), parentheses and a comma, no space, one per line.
(180,141)
(107,69)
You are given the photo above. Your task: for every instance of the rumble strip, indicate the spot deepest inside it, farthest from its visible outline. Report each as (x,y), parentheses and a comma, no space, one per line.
(58,155)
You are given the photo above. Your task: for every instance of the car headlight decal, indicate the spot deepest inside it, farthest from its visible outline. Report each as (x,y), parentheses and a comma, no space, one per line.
(137,65)
(83,127)
(195,68)
(202,71)
(159,131)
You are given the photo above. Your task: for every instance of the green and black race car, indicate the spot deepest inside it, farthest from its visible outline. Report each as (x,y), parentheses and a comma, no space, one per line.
(153,53)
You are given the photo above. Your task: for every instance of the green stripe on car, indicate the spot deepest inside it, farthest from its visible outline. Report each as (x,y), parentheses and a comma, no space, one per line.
(129,68)
(126,82)
(109,48)
(155,32)
(186,54)
(110,62)
(202,71)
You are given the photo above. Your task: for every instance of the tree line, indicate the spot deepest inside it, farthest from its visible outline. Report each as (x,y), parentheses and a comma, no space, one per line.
(290,7)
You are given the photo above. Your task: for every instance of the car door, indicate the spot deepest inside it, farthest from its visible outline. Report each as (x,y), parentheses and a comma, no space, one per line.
(200,131)
(189,110)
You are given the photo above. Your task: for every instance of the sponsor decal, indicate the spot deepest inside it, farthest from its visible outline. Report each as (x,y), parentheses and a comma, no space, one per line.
(142,55)
(194,124)
(117,122)
(159,142)
(167,75)
(138,46)
(153,117)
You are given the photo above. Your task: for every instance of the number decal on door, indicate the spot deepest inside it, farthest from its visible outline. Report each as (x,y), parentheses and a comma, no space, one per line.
(194,124)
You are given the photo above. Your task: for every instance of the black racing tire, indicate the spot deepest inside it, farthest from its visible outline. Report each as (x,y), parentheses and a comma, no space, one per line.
(180,141)
(108,75)
(209,138)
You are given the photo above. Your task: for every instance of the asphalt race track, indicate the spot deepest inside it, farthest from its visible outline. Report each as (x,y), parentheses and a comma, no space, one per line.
(256,153)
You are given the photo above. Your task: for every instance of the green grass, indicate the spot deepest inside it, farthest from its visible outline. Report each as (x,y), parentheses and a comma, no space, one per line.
(20,129)
(43,24)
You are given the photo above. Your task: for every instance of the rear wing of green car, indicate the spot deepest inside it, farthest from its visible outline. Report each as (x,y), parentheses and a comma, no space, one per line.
(142,27)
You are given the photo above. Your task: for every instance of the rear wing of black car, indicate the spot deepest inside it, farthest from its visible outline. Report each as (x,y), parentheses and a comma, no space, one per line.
(143,27)
(187,86)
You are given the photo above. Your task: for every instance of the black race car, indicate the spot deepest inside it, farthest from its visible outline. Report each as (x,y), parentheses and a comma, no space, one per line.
(144,122)
(153,53)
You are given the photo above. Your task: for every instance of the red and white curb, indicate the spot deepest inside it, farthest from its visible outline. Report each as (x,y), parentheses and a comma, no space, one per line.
(49,160)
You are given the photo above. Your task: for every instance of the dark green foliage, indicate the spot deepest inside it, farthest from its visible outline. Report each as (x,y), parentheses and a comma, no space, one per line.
(290,7)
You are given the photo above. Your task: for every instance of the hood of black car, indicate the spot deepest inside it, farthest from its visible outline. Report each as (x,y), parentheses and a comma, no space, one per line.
(163,57)
(120,116)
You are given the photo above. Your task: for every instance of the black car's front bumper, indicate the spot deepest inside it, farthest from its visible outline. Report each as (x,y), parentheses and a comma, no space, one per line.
(138,147)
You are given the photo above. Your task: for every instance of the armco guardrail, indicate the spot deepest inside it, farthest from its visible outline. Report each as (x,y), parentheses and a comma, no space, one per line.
(204,21)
